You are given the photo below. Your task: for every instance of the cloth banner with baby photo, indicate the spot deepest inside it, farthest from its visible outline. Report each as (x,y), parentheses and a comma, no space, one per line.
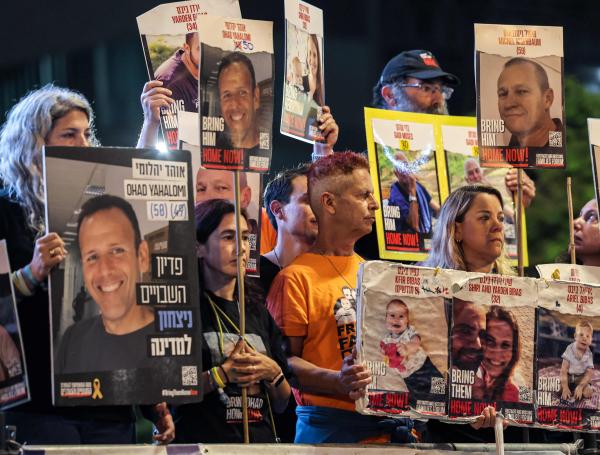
(445,344)
(416,161)
(124,303)
(169,35)
(519,80)
(304,83)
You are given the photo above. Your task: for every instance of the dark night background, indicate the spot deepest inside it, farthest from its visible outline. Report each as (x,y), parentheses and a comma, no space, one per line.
(94,47)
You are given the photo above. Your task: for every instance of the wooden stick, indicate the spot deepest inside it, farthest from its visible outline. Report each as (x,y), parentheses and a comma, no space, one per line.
(240,287)
(571,219)
(520,222)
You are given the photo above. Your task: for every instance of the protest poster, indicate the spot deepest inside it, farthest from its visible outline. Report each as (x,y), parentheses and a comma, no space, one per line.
(171,50)
(430,154)
(492,347)
(568,382)
(585,274)
(404,166)
(459,138)
(124,302)
(520,96)
(403,339)
(14,385)
(219,184)
(594,135)
(304,82)
(236,90)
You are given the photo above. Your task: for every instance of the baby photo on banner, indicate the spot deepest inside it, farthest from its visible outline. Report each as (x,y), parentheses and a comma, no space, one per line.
(403,334)
(236,88)
(520,96)
(304,83)
(125,320)
(169,35)
(568,382)
(492,347)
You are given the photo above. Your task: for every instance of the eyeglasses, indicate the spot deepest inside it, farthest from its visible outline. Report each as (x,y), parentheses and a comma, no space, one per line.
(430,89)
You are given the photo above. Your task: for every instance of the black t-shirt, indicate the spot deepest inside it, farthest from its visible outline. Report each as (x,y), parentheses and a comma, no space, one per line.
(268,271)
(87,347)
(177,78)
(213,421)
(34,322)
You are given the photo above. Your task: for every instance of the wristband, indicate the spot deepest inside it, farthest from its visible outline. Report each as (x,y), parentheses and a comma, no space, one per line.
(217,378)
(224,373)
(28,274)
(277,380)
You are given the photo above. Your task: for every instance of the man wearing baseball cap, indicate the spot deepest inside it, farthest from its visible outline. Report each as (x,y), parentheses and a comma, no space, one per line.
(413,81)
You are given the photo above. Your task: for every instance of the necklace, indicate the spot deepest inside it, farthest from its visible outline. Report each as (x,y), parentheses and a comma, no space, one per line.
(336,269)
(278,261)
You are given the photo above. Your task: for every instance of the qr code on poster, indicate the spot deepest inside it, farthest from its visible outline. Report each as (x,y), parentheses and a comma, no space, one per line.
(189,375)
(264,141)
(555,138)
(438,386)
(525,394)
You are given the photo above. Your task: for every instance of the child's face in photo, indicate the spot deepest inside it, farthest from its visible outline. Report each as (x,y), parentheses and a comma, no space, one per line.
(396,318)
(583,337)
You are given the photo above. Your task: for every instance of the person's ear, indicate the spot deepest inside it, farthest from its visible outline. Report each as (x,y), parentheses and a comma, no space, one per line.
(200,250)
(328,202)
(246,196)
(256,98)
(143,255)
(276,208)
(548,98)
(458,234)
(388,95)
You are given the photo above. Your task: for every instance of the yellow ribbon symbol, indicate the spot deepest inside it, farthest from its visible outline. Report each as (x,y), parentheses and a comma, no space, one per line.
(97,393)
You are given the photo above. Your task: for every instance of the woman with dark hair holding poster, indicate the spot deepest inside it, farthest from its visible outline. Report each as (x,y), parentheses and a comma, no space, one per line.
(493,380)
(50,116)
(230,362)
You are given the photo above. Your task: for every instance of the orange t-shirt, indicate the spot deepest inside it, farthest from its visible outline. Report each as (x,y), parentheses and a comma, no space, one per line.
(314,297)
(268,235)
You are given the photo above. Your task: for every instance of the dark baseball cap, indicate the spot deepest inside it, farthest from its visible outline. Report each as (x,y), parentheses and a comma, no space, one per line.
(416,63)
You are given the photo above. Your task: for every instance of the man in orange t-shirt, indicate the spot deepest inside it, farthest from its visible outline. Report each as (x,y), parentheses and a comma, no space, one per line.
(313,300)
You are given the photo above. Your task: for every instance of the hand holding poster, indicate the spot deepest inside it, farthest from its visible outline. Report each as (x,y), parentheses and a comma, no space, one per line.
(236,86)
(171,49)
(131,335)
(14,387)
(304,84)
(520,96)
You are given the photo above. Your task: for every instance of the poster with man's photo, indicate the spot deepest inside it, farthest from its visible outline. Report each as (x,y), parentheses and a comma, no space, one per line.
(461,151)
(171,50)
(236,88)
(520,96)
(14,386)
(403,339)
(304,82)
(404,163)
(492,347)
(568,335)
(125,320)
(219,184)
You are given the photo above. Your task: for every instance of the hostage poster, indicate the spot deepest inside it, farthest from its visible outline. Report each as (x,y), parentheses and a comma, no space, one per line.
(520,96)
(492,347)
(124,302)
(461,153)
(169,35)
(304,83)
(219,184)
(14,386)
(404,160)
(403,338)
(568,382)
(236,88)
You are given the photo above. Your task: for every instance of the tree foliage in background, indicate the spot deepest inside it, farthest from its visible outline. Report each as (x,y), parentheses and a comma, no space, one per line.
(547,218)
